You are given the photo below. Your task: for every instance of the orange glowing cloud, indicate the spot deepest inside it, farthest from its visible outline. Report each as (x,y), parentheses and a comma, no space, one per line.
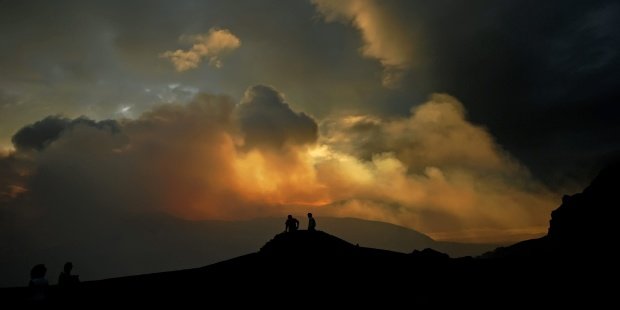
(213,159)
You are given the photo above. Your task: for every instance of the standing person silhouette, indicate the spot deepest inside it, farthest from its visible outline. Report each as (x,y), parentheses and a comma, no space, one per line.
(66,279)
(67,285)
(311,223)
(292,224)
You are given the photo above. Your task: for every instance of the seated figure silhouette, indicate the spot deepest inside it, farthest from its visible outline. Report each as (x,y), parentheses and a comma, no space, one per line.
(292,224)
(311,223)
(38,284)
(66,279)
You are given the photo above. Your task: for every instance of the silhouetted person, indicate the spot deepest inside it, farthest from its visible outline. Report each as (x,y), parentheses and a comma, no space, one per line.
(38,284)
(311,223)
(67,284)
(292,224)
(66,279)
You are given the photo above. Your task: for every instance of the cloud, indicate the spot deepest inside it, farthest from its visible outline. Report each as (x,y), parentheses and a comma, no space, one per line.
(384,38)
(267,120)
(434,171)
(38,135)
(436,133)
(559,87)
(196,161)
(209,159)
(13,177)
(211,45)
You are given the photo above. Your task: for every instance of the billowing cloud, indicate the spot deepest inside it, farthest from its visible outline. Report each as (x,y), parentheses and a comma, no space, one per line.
(211,45)
(210,159)
(434,171)
(436,133)
(266,118)
(384,39)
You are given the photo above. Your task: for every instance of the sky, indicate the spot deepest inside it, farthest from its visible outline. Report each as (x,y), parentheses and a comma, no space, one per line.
(465,120)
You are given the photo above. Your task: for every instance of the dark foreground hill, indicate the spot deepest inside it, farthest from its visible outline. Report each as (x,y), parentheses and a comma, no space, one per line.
(573,265)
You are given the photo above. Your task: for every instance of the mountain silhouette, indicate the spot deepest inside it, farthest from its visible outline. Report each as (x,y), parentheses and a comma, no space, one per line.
(587,216)
(579,229)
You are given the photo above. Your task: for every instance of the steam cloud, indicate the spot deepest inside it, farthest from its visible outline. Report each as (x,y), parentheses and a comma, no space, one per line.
(213,159)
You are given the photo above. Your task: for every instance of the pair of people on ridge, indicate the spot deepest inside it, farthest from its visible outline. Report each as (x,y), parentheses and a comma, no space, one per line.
(292,224)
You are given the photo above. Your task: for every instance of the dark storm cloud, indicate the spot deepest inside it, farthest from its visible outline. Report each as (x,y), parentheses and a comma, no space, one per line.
(543,77)
(267,120)
(40,134)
